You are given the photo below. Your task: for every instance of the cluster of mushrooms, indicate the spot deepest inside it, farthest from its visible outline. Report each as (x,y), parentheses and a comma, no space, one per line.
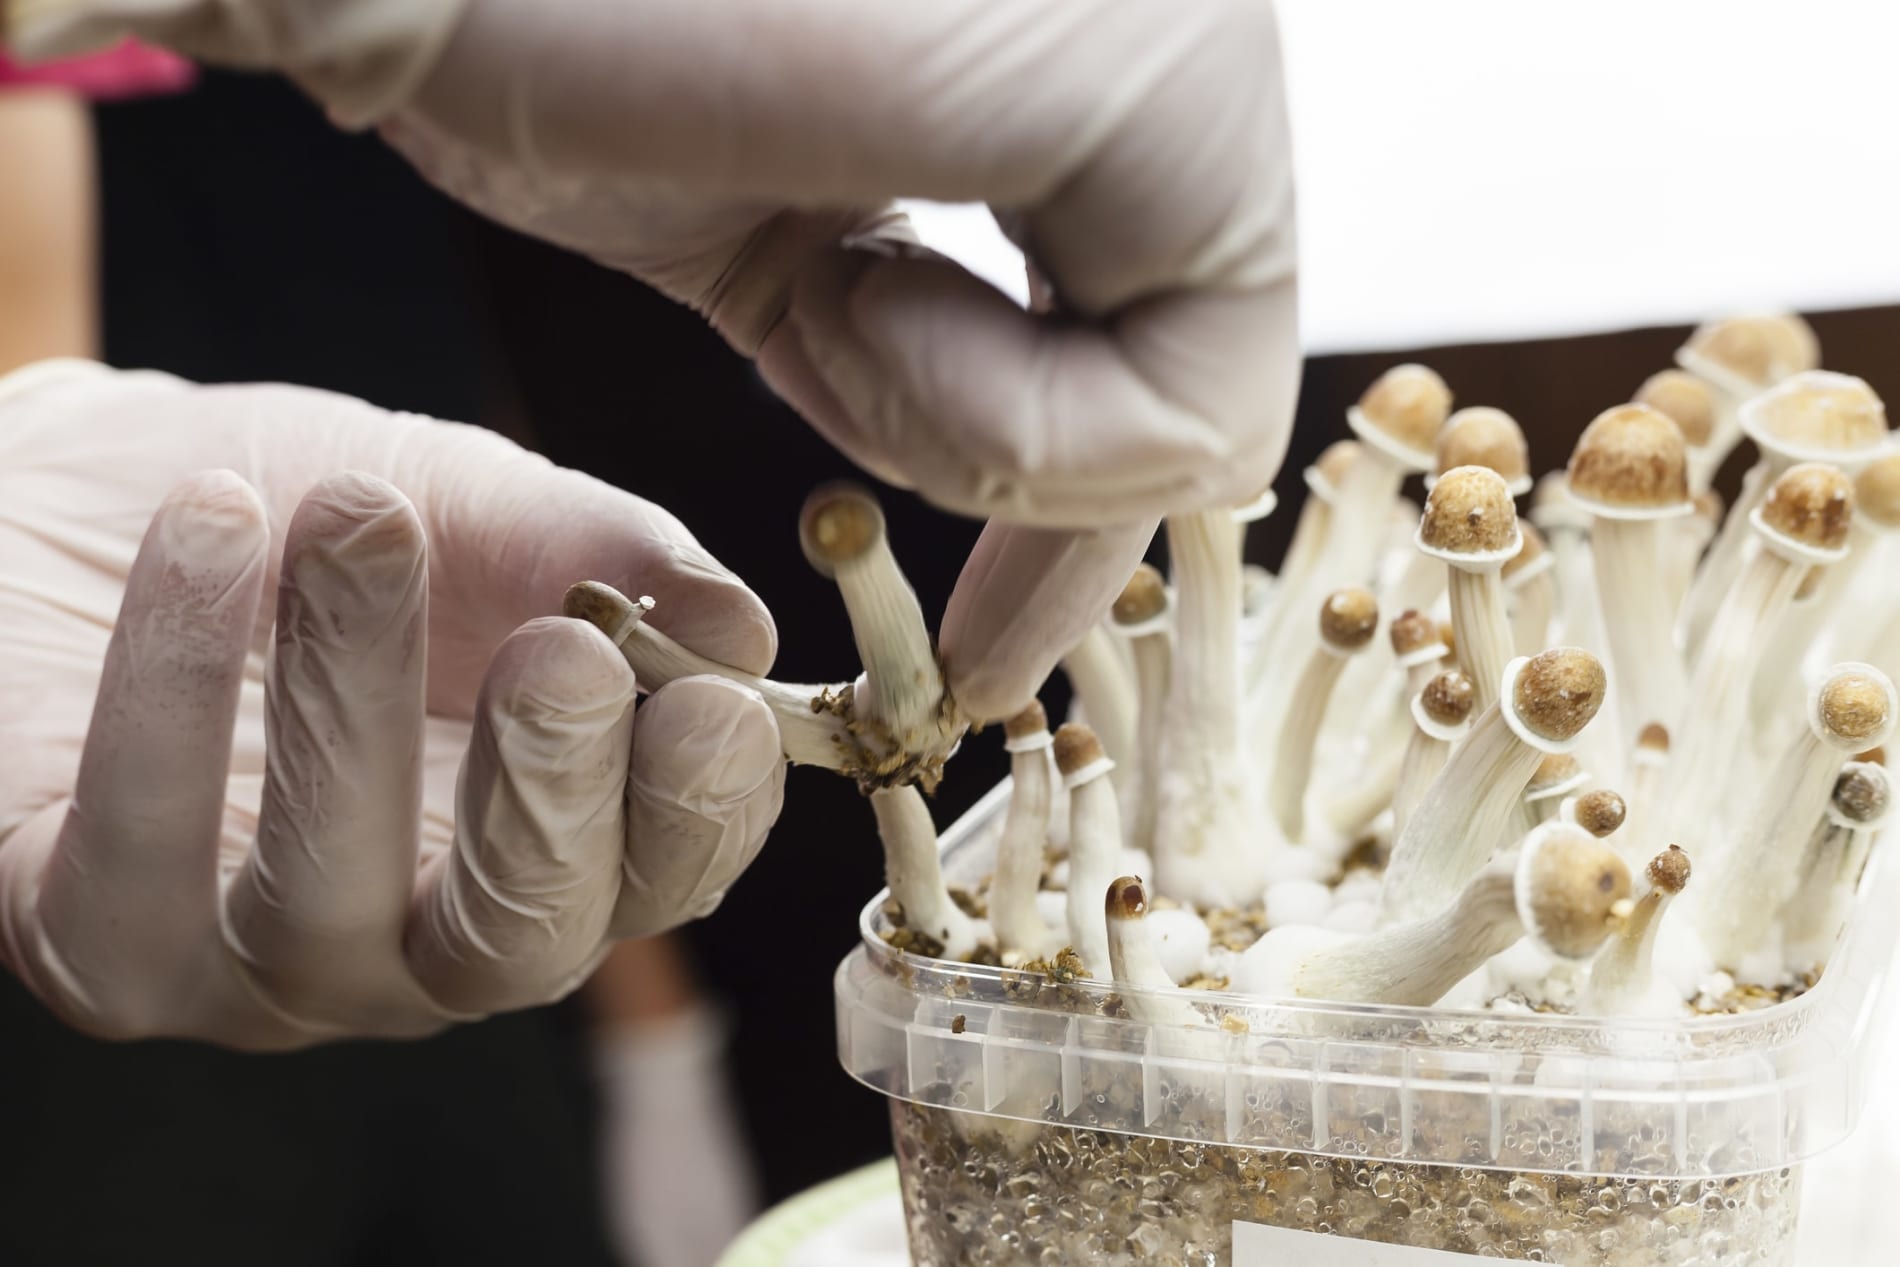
(1582,744)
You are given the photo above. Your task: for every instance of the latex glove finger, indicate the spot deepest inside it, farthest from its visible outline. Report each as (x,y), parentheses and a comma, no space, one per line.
(316,913)
(1025,599)
(516,912)
(706,785)
(127,880)
(1185,401)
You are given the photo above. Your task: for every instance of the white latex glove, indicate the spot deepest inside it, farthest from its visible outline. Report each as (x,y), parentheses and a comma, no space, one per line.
(720,149)
(216,827)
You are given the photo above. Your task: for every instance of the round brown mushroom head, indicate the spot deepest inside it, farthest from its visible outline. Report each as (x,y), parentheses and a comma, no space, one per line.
(1811,505)
(1820,411)
(1631,457)
(1575,884)
(1483,436)
(1687,401)
(1559,692)
(1409,404)
(1469,511)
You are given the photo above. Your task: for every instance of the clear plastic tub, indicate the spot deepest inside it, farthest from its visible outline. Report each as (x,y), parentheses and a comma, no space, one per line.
(1036,1124)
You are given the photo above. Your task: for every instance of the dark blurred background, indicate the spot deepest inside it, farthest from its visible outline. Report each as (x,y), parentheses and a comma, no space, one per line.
(245,240)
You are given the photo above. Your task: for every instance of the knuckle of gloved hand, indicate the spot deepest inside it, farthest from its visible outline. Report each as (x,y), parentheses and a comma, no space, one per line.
(555,670)
(705,744)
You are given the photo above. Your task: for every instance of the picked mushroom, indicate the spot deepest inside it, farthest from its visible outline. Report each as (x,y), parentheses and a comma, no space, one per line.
(1471,525)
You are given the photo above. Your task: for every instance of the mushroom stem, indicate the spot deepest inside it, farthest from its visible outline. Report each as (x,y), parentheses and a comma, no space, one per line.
(1104,690)
(1441,715)
(1021,932)
(1207,820)
(1723,560)
(1780,678)
(1348,620)
(812,723)
(914,872)
(1095,839)
(1142,620)
(1853,710)
(1649,785)
(1561,888)
(1483,629)
(1546,702)
(1531,595)
(1831,869)
(1623,980)
(903,696)
(1639,621)
(1147,991)
(1471,524)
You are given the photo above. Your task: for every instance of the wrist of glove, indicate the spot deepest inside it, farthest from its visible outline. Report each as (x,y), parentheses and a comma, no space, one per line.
(361,58)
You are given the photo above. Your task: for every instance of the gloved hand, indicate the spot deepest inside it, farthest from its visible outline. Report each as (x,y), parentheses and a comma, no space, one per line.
(723,149)
(149,707)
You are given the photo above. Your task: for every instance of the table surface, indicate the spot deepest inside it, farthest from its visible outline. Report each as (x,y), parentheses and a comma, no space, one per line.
(1471,170)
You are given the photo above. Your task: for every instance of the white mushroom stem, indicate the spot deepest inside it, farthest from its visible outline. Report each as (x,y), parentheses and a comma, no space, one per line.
(1021,932)
(1153,649)
(1208,842)
(1531,595)
(1368,792)
(1724,559)
(842,532)
(1482,629)
(811,735)
(1623,980)
(1780,682)
(1468,807)
(1831,869)
(1752,879)
(1648,798)
(1349,618)
(1416,963)
(1640,622)
(914,872)
(1104,689)
(1095,859)
(1146,989)
(1688,538)
(1426,755)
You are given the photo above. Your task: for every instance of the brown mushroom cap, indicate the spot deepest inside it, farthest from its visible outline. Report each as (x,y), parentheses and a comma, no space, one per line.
(1818,412)
(1558,693)
(1685,399)
(1654,737)
(1408,404)
(1076,747)
(838,525)
(1669,870)
(1033,720)
(1348,619)
(1483,436)
(1812,506)
(1413,632)
(1863,793)
(597,603)
(1572,888)
(1127,898)
(1469,512)
(1534,549)
(1855,708)
(1553,772)
(1449,698)
(1631,457)
(1601,813)
(1877,491)
(1332,465)
(1143,598)
(1742,346)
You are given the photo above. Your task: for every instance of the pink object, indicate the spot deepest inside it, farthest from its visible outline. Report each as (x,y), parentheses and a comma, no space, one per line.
(129,70)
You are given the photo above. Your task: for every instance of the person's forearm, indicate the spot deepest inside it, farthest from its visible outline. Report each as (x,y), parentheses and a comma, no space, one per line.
(48,306)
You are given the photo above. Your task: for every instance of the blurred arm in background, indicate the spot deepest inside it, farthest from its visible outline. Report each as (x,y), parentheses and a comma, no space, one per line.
(47,303)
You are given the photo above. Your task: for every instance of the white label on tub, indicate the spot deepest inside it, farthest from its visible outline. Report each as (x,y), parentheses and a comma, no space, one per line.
(1258,1246)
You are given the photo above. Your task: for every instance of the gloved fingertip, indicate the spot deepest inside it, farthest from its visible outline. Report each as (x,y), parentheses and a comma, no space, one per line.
(554,669)
(356,535)
(213,514)
(706,744)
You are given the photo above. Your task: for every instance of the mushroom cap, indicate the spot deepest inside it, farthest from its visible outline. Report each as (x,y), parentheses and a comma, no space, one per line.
(597,603)
(1740,348)
(1793,341)
(1601,813)
(1127,898)
(1569,884)
(1033,720)
(1669,870)
(1076,747)
(1554,771)
(1685,399)
(1854,708)
(1413,632)
(1407,405)
(1483,436)
(1143,598)
(1348,619)
(1818,415)
(839,524)
(1470,514)
(1654,737)
(1877,491)
(1329,469)
(1863,793)
(1449,698)
(1631,459)
(1558,693)
(1810,505)
(1535,548)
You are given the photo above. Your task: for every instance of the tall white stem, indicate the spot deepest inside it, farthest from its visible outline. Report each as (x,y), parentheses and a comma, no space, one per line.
(1649,677)
(1482,628)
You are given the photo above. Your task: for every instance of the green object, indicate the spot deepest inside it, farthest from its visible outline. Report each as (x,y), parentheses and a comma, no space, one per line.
(768,1242)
